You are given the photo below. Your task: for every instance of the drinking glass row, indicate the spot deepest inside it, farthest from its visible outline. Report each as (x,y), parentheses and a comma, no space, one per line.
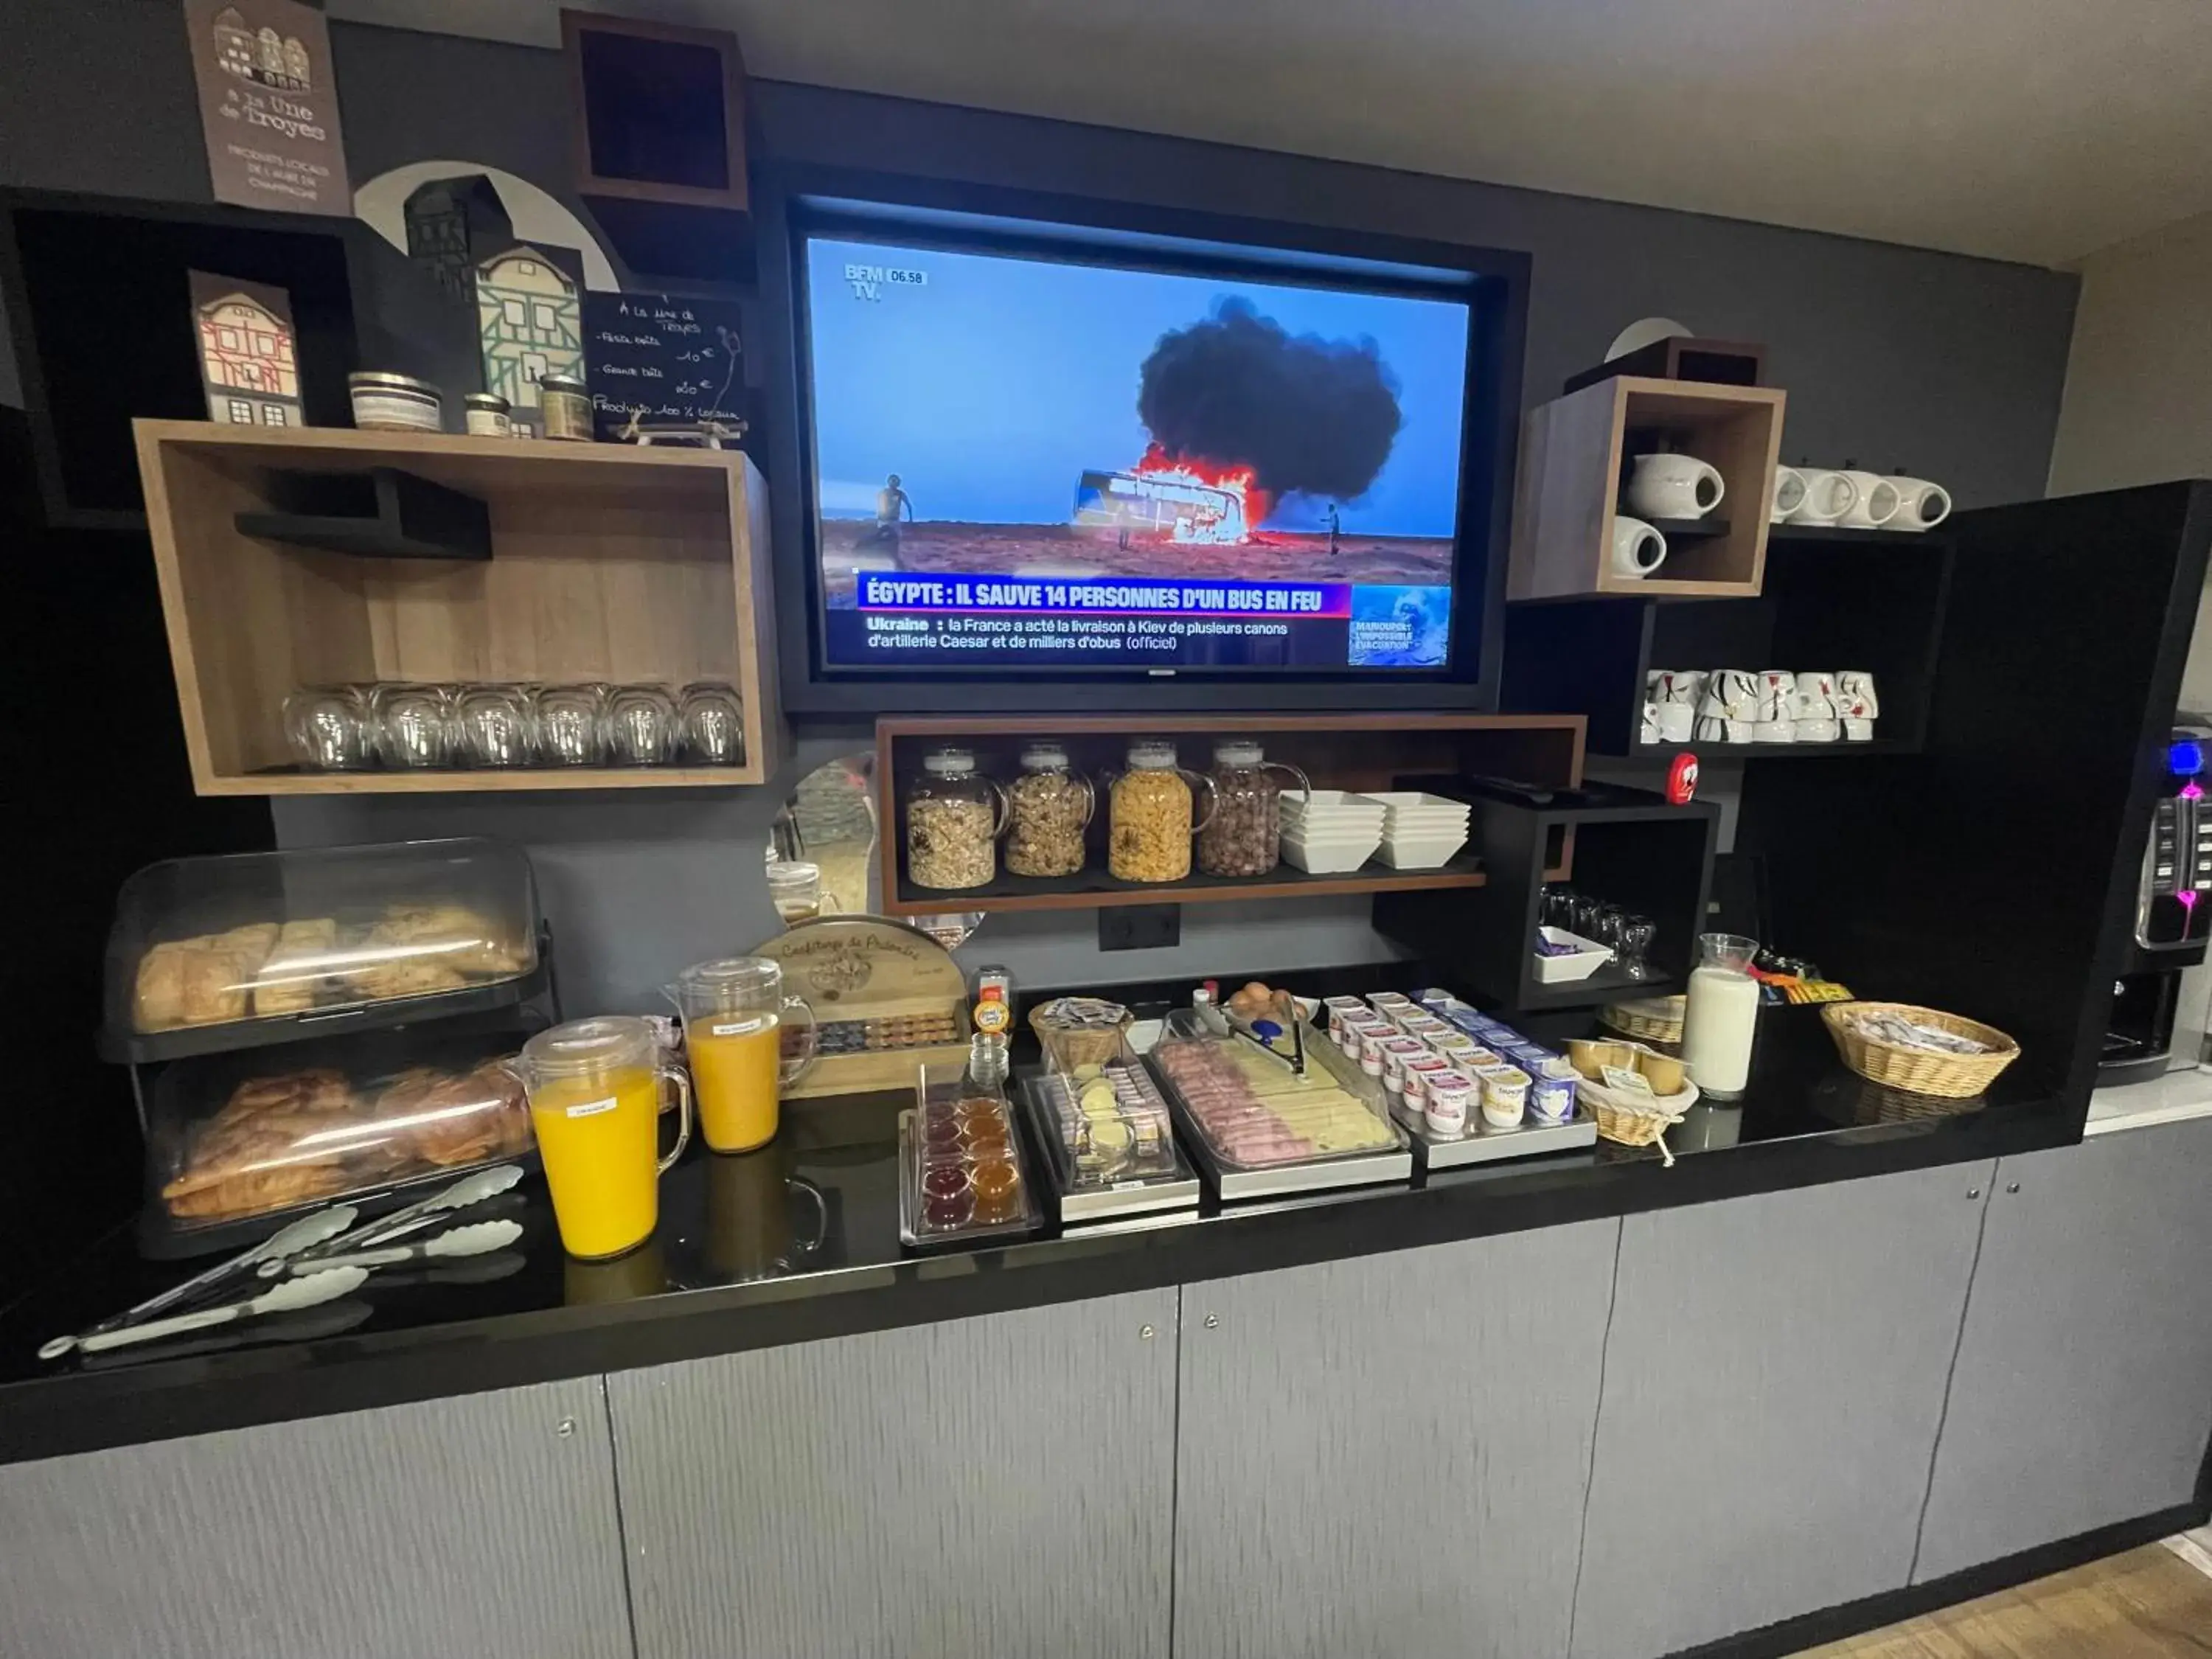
(404,726)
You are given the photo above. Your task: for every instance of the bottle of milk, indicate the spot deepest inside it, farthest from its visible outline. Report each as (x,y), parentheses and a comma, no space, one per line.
(1724,1009)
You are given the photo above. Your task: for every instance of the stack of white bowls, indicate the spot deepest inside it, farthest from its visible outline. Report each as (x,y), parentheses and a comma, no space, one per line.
(1329,832)
(1421,832)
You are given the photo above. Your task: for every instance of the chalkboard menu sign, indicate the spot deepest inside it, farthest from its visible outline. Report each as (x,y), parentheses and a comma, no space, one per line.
(677,360)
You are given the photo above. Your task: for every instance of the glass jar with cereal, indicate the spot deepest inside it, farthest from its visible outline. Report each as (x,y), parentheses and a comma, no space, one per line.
(954,816)
(1150,815)
(1048,808)
(1243,836)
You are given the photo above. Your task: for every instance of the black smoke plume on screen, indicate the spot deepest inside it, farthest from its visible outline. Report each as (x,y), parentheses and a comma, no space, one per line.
(1308,415)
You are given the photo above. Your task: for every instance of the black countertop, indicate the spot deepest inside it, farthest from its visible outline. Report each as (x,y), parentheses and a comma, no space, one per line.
(744,1256)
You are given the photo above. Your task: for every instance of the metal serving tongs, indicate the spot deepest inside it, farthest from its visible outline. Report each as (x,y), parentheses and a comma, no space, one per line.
(468,1191)
(269,1256)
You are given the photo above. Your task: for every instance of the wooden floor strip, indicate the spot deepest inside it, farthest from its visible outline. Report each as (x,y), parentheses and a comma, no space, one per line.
(2147,1604)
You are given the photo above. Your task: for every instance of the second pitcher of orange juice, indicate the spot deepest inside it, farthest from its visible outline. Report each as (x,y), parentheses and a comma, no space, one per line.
(594,1088)
(735,1014)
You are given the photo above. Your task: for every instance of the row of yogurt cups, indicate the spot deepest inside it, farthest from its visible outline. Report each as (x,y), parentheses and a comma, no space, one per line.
(1445,1062)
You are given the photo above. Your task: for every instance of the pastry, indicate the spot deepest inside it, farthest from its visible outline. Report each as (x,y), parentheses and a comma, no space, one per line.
(296,977)
(254,1193)
(158,1002)
(217,983)
(413,978)
(458,937)
(445,1119)
(255,941)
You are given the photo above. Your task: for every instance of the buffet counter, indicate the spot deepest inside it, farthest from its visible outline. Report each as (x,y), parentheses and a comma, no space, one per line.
(800,1242)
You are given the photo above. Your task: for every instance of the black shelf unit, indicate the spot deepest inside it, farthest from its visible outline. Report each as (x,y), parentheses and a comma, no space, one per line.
(1835,600)
(1632,847)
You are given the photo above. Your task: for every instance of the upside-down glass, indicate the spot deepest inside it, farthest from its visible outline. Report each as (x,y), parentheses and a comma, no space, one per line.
(711,724)
(594,1087)
(572,724)
(493,726)
(640,725)
(413,725)
(328,728)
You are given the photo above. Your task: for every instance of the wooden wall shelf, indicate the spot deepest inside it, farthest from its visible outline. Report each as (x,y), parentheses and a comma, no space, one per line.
(1338,752)
(609,562)
(1575,452)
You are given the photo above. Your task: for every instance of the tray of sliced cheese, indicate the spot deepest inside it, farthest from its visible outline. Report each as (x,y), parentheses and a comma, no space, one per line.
(1262,1128)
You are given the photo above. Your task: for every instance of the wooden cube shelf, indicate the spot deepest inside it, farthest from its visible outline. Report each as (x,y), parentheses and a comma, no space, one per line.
(1575,452)
(609,562)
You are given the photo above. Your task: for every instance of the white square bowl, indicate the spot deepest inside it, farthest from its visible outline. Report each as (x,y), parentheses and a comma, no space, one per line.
(1329,856)
(1589,956)
(1432,853)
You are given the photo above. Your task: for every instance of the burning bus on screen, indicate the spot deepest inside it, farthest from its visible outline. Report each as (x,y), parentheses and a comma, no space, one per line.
(1161,507)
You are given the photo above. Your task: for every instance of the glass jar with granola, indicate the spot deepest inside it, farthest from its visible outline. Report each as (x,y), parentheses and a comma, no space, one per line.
(954,816)
(1047,809)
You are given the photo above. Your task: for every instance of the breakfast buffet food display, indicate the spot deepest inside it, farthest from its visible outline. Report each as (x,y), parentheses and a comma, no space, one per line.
(258,1135)
(209,953)
(1262,1127)
(960,1162)
(1468,1086)
(1104,1126)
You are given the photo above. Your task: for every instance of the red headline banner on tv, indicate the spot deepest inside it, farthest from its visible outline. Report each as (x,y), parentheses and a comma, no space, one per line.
(1061,596)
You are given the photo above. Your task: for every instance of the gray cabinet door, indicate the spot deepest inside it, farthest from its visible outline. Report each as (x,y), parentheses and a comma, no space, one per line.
(2083,1394)
(1387,1456)
(991,1488)
(1773,1384)
(471,1526)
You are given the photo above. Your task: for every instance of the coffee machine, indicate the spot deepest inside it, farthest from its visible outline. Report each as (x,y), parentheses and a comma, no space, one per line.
(2172,919)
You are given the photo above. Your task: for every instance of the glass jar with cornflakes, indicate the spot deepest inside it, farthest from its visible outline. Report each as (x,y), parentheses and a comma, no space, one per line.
(1151,815)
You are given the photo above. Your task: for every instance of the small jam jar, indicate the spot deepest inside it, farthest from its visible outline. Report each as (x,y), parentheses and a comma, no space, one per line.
(998,1187)
(947,1197)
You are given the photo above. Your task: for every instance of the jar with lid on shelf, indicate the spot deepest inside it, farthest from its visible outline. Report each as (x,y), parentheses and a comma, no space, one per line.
(1242,837)
(1048,808)
(954,816)
(1150,814)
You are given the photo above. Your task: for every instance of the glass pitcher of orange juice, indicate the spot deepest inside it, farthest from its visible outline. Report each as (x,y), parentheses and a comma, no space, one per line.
(734,1015)
(594,1087)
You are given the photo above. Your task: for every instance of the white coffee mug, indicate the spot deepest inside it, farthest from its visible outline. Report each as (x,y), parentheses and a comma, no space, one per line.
(1877,504)
(1676,721)
(1732,693)
(1858,683)
(1788,493)
(1828,496)
(1781,731)
(1920,505)
(1647,729)
(1812,712)
(1638,548)
(1776,687)
(1673,487)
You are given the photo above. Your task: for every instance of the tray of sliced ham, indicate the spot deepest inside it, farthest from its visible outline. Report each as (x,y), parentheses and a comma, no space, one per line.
(1262,1129)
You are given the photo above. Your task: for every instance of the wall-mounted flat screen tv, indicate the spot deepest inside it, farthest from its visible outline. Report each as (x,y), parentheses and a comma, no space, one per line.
(1035,455)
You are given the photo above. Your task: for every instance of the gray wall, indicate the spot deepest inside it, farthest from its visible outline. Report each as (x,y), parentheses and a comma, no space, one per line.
(1949,366)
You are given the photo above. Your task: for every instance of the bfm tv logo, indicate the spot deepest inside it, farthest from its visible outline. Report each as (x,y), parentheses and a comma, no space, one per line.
(869,282)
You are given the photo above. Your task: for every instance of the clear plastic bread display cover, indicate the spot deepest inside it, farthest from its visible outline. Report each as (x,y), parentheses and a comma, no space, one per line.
(255,936)
(234,1136)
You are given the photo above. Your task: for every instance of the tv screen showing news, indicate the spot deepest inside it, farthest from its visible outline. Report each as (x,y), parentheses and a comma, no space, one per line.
(1028,462)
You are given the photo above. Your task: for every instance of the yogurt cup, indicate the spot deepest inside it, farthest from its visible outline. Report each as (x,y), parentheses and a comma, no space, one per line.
(1552,1099)
(1445,1108)
(1420,1074)
(1504,1096)
(1396,1051)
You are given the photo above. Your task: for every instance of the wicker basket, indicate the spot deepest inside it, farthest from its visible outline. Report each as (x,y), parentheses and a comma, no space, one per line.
(1631,1122)
(1077,1031)
(1921,1070)
(1648,1020)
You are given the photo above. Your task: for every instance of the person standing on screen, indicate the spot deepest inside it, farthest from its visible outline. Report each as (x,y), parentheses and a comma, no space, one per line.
(891,501)
(1333,526)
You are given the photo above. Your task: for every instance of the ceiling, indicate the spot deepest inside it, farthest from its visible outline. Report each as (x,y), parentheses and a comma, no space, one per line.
(2030,130)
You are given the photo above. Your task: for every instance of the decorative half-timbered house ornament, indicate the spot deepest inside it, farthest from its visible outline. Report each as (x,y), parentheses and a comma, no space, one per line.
(249,361)
(530,319)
